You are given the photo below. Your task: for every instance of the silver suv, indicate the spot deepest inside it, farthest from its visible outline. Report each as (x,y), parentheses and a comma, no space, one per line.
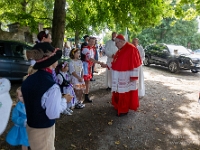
(13,64)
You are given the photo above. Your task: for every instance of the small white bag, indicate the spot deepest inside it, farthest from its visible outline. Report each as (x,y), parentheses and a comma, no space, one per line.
(5,103)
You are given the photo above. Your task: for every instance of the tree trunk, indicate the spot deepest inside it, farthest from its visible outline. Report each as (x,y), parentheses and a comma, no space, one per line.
(24,4)
(77,38)
(58,25)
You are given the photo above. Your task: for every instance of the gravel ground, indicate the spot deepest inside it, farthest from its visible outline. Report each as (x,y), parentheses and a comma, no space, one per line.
(167,119)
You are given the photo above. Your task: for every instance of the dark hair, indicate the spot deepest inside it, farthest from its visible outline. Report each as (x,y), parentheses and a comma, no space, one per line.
(72,52)
(86,36)
(59,67)
(42,34)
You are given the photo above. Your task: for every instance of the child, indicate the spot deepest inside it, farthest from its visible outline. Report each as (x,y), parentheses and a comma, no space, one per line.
(18,135)
(76,69)
(63,79)
(30,70)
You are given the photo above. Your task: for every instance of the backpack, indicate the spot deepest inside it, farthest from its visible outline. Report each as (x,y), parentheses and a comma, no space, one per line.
(83,55)
(65,83)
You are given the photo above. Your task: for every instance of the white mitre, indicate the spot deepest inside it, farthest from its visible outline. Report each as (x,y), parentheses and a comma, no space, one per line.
(5,103)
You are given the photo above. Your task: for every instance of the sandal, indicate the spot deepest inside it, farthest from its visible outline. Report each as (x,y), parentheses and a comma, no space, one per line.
(69,110)
(67,113)
(79,106)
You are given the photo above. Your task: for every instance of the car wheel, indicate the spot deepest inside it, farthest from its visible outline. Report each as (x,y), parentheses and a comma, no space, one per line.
(194,71)
(146,61)
(173,66)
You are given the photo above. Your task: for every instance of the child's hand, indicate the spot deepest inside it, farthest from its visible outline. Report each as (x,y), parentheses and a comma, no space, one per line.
(68,97)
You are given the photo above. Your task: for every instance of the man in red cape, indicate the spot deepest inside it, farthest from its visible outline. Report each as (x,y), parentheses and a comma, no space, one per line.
(125,67)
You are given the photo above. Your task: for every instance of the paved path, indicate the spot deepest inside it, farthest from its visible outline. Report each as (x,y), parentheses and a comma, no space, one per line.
(100,76)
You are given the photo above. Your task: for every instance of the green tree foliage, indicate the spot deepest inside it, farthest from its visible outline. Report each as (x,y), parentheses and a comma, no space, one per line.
(114,15)
(107,37)
(172,31)
(27,12)
(92,16)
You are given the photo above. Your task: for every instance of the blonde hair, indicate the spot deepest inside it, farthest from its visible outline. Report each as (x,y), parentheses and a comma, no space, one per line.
(30,71)
(18,89)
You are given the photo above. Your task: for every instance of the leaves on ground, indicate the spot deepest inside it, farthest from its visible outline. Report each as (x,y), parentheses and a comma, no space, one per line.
(110,122)
(117,142)
(72,145)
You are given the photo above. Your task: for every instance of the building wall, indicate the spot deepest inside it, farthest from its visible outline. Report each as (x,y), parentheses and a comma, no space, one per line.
(22,34)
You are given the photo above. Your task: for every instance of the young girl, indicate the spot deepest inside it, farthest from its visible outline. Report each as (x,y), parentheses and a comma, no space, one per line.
(18,135)
(76,69)
(63,79)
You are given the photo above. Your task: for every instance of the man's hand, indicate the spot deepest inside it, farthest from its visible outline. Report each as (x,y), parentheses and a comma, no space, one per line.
(68,97)
(103,65)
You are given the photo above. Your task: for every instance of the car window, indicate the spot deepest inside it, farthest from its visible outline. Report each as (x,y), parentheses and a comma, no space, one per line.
(197,51)
(174,49)
(148,47)
(27,47)
(2,49)
(159,48)
(17,50)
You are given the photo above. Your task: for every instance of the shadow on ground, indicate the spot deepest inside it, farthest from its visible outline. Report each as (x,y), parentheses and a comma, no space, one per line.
(168,118)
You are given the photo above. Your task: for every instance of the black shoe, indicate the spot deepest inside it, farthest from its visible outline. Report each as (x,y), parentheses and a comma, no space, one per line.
(87,98)
(108,89)
(122,114)
(92,79)
(90,101)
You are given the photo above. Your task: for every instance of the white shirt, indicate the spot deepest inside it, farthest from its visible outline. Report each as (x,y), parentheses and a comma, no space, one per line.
(53,102)
(88,52)
(110,49)
(142,53)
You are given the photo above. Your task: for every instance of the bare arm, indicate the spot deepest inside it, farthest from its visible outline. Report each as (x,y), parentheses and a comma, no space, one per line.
(94,61)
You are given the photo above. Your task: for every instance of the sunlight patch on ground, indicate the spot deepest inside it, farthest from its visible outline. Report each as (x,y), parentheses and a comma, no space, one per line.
(192,136)
(180,123)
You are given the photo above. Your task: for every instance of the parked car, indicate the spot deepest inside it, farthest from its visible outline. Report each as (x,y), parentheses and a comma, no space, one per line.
(175,57)
(197,51)
(13,64)
(191,51)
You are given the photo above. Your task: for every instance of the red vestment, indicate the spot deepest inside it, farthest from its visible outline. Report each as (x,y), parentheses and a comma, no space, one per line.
(125,67)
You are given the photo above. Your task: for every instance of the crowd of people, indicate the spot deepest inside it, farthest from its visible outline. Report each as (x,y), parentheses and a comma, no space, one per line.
(50,88)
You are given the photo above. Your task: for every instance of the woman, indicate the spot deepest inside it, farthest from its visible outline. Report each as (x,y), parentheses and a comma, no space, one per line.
(66,50)
(43,36)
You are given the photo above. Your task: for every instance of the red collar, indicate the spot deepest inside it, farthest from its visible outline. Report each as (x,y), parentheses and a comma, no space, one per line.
(48,70)
(89,47)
